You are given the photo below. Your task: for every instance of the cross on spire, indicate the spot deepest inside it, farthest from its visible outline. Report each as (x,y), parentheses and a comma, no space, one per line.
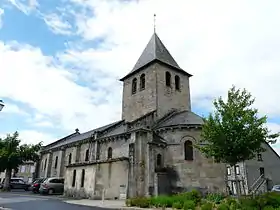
(154,23)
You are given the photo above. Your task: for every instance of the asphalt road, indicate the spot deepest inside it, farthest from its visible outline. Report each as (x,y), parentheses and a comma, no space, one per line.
(21,200)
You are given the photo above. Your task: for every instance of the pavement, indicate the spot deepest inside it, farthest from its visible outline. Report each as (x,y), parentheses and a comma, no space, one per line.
(21,200)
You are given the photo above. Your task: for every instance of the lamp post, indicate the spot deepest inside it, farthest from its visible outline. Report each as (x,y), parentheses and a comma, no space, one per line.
(1,105)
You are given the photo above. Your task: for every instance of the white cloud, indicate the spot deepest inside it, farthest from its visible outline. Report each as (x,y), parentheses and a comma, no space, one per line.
(1,16)
(57,25)
(220,42)
(14,109)
(25,7)
(48,89)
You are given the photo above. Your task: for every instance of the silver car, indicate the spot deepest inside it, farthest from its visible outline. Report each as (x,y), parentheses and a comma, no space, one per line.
(53,185)
(276,188)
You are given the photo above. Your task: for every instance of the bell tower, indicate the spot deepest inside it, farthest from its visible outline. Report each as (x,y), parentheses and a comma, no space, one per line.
(156,83)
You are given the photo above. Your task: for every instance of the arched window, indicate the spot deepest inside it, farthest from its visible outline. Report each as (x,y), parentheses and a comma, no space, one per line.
(159,160)
(134,86)
(74,178)
(110,152)
(70,159)
(45,166)
(83,178)
(55,163)
(142,82)
(87,155)
(177,82)
(167,79)
(188,150)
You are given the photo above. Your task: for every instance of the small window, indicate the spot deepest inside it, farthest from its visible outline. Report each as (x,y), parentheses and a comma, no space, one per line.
(45,166)
(134,86)
(259,157)
(159,159)
(110,153)
(142,82)
(74,178)
(83,178)
(56,160)
(188,150)
(261,171)
(70,159)
(98,151)
(177,82)
(167,79)
(228,171)
(237,170)
(87,155)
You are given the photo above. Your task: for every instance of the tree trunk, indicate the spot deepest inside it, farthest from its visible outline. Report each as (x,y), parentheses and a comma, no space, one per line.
(8,175)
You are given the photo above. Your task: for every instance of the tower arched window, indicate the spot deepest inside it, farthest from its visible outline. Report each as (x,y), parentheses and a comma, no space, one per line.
(142,82)
(177,82)
(110,152)
(45,166)
(159,160)
(188,147)
(74,178)
(134,86)
(167,79)
(87,155)
(83,178)
(70,159)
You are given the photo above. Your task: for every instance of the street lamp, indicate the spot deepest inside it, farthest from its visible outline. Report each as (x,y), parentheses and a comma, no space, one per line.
(1,105)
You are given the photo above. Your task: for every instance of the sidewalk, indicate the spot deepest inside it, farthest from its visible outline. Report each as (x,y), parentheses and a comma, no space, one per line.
(111,204)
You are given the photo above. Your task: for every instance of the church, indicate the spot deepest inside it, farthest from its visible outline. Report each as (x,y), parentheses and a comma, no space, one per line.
(147,152)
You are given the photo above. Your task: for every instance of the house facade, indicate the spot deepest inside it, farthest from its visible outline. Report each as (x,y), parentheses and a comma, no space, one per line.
(147,152)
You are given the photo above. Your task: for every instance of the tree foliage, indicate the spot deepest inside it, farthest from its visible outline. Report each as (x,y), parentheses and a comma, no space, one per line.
(13,154)
(234,132)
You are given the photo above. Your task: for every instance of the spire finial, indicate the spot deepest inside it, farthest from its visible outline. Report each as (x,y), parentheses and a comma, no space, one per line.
(154,23)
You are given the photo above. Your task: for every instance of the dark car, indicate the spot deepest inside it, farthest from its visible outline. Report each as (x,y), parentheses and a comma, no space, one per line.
(35,186)
(17,183)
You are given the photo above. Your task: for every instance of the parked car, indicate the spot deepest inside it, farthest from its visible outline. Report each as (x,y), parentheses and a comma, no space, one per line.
(276,188)
(17,183)
(52,185)
(35,185)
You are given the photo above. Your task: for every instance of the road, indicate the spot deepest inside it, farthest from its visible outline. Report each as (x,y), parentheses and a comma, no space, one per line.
(21,200)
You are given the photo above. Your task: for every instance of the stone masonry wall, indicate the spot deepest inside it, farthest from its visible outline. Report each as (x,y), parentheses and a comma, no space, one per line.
(143,101)
(199,173)
(109,176)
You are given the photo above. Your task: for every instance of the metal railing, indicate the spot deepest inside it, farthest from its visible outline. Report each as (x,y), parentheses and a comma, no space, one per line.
(256,185)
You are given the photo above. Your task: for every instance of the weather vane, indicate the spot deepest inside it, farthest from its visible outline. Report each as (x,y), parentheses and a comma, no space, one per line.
(154,23)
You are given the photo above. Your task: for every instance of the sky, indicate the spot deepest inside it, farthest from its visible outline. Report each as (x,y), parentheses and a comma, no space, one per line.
(61,60)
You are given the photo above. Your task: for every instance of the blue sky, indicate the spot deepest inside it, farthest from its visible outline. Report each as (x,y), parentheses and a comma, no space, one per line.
(61,60)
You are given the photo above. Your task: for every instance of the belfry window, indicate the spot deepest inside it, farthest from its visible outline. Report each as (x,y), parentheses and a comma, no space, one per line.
(188,150)
(142,82)
(87,155)
(167,79)
(134,86)
(110,153)
(177,82)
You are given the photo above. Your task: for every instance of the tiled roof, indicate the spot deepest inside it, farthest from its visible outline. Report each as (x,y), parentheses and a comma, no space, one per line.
(181,118)
(155,50)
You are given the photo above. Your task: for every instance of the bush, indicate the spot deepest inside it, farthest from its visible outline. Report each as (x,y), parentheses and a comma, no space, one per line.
(269,208)
(223,206)
(207,206)
(215,197)
(271,199)
(141,202)
(189,205)
(162,201)
(193,195)
(177,205)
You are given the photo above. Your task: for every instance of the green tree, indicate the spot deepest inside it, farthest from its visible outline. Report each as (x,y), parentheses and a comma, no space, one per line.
(12,154)
(234,132)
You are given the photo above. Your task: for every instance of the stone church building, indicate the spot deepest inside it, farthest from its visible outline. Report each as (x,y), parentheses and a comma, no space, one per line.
(150,150)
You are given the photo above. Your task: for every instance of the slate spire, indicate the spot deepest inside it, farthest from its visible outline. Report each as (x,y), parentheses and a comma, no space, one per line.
(154,51)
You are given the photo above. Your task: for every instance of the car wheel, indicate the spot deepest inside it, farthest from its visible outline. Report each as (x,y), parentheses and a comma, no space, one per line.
(51,191)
